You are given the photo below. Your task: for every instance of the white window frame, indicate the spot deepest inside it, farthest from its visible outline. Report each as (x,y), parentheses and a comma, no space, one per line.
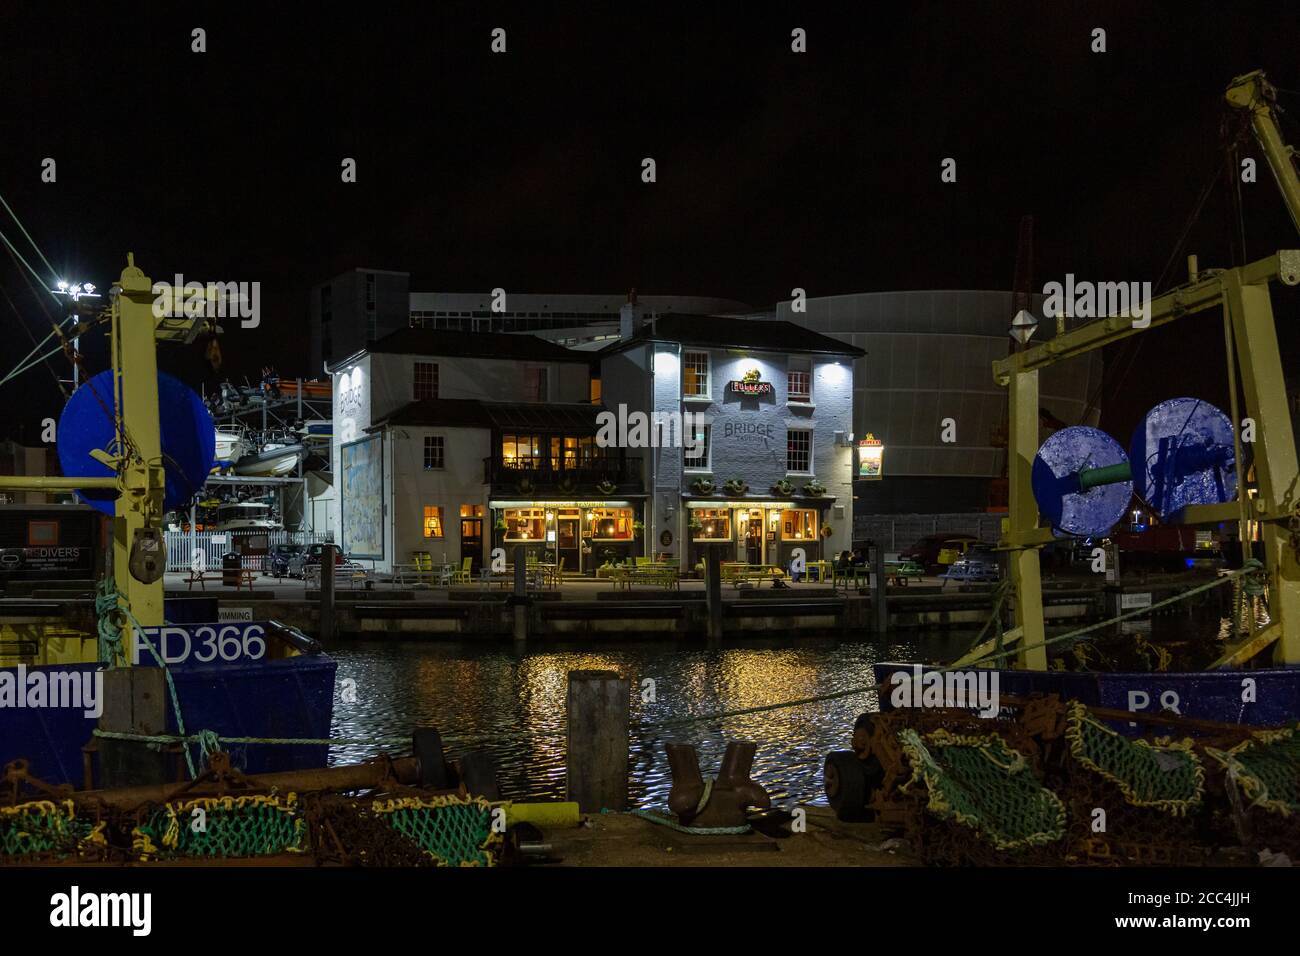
(790,396)
(707,394)
(810,433)
(694,464)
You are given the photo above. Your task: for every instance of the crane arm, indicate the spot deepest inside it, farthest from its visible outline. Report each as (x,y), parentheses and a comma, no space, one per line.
(1254,94)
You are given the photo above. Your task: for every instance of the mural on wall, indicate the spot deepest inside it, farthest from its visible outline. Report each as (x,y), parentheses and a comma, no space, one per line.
(361,465)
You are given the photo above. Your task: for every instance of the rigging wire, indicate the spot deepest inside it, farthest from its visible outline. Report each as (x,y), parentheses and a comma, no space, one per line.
(18,222)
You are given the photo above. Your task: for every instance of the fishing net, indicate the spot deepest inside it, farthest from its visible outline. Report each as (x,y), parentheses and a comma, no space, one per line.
(42,828)
(453,830)
(1267,768)
(985,785)
(226,827)
(1164,775)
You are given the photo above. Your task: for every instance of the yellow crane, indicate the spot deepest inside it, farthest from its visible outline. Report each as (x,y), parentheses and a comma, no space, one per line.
(1251,336)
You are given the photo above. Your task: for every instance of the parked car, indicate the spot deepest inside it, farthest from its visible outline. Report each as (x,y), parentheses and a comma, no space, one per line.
(279,558)
(310,557)
(979,563)
(935,552)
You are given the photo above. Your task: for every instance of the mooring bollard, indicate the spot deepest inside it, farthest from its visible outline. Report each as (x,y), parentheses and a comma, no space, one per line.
(135,702)
(878,599)
(722,802)
(713,589)
(327,559)
(521,593)
(597,759)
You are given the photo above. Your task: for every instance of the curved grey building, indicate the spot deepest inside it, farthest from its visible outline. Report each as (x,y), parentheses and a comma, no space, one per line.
(929,358)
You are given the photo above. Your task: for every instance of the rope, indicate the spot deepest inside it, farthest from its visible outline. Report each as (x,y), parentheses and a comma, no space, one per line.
(209,738)
(1250,567)
(106,603)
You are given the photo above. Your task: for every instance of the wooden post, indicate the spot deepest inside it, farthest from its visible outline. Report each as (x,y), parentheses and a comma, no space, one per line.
(713,589)
(878,599)
(597,757)
(327,593)
(135,701)
(521,593)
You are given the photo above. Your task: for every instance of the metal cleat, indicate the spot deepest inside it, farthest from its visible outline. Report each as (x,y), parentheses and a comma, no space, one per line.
(714,803)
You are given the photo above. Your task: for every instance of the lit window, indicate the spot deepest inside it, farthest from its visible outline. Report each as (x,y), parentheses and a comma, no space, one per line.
(426,380)
(695,374)
(798,525)
(798,450)
(471,511)
(432,521)
(799,380)
(433,451)
(710,524)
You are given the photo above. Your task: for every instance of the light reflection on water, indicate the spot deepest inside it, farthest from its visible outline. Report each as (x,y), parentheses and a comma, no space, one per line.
(513,704)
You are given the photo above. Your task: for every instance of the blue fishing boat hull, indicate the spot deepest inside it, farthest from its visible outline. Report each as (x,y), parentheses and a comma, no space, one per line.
(1256,698)
(287,697)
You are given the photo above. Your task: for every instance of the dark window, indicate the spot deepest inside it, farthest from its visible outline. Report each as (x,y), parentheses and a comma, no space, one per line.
(433,451)
(426,380)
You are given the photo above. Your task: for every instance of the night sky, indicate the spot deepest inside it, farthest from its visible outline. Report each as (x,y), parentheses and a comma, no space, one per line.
(522,170)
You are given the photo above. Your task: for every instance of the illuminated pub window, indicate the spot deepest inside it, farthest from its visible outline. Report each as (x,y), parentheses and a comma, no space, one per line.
(432,521)
(798,524)
(609,524)
(521,451)
(695,374)
(714,524)
(471,511)
(525,524)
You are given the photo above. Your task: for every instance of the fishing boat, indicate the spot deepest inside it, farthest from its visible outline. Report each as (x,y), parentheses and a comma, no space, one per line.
(133,444)
(1185,463)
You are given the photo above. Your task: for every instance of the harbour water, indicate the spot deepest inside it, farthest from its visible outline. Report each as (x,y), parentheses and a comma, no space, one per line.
(512,704)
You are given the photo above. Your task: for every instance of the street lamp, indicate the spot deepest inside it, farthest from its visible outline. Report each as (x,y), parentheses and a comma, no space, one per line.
(75,292)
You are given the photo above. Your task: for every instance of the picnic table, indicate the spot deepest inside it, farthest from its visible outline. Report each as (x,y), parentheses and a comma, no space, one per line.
(664,575)
(349,571)
(739,573)
(421,573)
(246,576)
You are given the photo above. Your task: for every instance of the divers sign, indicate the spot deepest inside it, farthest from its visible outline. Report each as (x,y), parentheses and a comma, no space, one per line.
(200,644)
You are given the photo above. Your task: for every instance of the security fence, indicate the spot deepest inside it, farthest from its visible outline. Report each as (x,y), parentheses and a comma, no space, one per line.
(253,545)
(898,532)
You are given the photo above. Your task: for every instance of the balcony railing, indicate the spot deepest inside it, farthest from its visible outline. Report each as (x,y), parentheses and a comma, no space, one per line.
(624,472)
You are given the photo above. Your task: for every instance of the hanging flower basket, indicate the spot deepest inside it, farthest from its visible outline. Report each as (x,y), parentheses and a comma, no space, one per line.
(783,488)
(735,486)
(703,486)
(605,486)
(814,489)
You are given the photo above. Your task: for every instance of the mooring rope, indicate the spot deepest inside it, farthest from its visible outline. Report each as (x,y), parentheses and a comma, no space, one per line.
(1250,567)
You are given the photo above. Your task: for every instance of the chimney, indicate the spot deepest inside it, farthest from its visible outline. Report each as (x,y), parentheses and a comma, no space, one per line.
(627,317)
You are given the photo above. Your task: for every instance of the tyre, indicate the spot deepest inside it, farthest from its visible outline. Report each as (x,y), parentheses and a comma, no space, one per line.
(845,780)
(426,746)
(478,772)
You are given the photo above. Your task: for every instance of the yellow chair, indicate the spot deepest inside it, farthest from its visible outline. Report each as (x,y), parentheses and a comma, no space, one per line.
(422,560)
(463,575)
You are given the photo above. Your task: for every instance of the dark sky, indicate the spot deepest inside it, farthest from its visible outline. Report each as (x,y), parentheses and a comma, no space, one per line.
(522,170)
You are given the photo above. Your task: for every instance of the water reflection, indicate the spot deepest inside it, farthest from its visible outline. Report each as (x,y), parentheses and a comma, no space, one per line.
(513,705)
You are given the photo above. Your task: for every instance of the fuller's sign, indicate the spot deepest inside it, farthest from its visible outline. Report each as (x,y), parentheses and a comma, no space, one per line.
(750,388)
